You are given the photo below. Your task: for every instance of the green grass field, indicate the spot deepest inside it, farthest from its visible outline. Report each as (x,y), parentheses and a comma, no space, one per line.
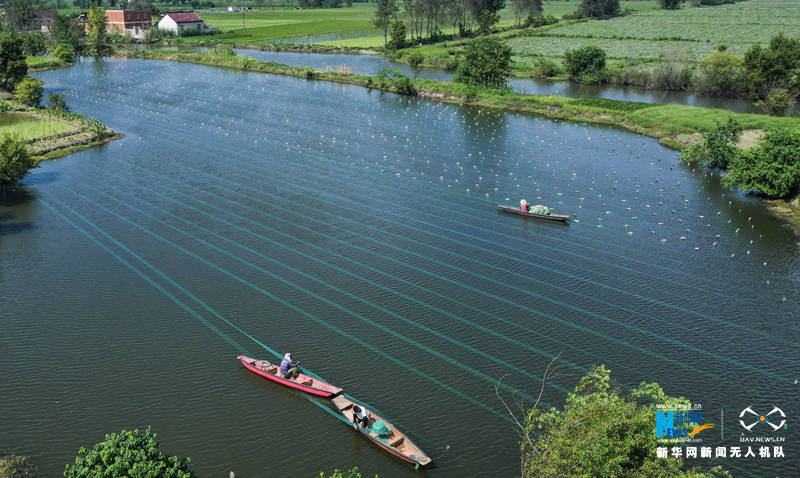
(266,26)
(30,127)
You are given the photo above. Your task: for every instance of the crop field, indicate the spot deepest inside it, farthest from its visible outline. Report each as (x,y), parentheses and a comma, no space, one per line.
(690,33)
(29,127)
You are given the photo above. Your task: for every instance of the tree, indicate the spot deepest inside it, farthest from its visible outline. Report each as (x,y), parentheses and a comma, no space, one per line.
(33,44)
(129,453)
(398,35)
(18,14)
(718,145)
(64,30)
(57,102)
(669,4)
(12,61)
(29,91)
(385,11)
(598,8)
(774,66)
(772,167)
(487,20)
(15,160)
(486,63)
(587,64)
(526,8)
(97,28)
(601,433)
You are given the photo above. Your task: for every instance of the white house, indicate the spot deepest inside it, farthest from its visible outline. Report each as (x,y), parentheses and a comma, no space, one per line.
(181,22)
(233,8)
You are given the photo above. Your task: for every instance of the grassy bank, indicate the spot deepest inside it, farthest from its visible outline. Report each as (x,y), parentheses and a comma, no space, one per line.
(41,63)
(52,134)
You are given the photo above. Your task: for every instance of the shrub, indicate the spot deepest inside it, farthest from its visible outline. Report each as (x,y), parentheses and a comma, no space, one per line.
(721,74)
(403,85)
(772,167)
(15,159)
(779,100)
(29,91)
(586,64)
(545,67)
(64,53)
(129,453)
(718,146)
(415,59)
(57,102)
(451,64)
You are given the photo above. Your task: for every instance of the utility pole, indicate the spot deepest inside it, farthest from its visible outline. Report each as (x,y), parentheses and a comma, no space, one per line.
(243,26)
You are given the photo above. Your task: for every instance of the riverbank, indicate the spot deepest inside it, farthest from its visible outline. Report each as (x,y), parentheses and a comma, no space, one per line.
(85,132)
(672,125)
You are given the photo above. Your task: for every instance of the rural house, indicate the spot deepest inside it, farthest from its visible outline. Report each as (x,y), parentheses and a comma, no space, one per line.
(133,23)
(180,23)
(42,19)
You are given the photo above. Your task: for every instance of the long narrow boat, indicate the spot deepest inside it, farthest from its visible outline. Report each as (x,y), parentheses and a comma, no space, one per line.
(302,382)
(546,217)
(396,443)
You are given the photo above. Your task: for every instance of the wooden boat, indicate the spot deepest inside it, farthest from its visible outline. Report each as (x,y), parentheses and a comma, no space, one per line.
(396,443)
(301,382)
(547,217)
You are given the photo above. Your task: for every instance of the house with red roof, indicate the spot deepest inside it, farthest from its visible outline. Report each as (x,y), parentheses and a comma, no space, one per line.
(181,23)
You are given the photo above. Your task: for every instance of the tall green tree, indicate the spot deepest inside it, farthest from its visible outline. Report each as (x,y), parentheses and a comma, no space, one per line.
(773,66)
(385,12)
(64,30)
(601,433)
(526,8)
(599,8)
(15,160)
(486,63)
(12,60)
(772,167)
(18,14)
(98,25)
(398,35)
(33,44)
(129,453)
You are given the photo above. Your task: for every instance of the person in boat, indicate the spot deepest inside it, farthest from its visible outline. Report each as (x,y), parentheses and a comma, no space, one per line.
(524,206)
(360,417)
(288,368)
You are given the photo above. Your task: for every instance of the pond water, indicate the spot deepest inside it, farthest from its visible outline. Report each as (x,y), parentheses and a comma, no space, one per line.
(371,65)
(258,214)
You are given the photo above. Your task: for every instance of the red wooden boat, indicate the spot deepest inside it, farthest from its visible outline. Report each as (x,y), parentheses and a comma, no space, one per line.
(302,382)
(395,442)
(547,217)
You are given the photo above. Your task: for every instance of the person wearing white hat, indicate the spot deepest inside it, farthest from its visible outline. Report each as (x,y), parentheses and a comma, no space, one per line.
(523,205)
(288,368)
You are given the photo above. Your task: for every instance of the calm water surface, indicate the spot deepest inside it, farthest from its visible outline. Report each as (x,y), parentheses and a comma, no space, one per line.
(371,65)
(248,213)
